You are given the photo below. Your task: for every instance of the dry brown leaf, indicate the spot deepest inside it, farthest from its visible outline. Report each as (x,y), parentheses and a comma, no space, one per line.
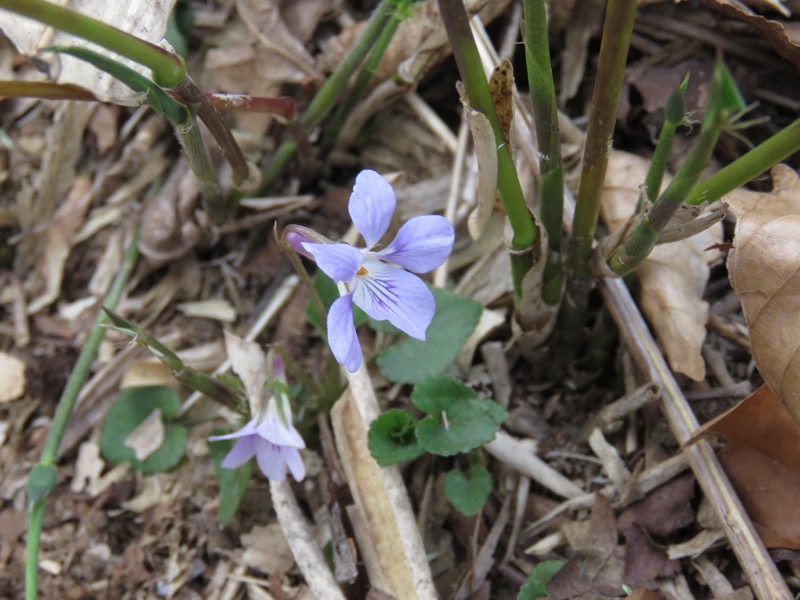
(763,464)
(486,153)
(12,376)
(782,35)
(145,19)
(764,268)
(265,549)
(250,363)
(147,437)
(673,278)
(58,241)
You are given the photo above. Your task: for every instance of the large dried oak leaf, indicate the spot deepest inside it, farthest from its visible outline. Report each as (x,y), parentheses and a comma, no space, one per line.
(672,278)
(764,268)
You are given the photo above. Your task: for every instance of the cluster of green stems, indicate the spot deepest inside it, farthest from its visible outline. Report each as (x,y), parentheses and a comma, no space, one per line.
(568,276)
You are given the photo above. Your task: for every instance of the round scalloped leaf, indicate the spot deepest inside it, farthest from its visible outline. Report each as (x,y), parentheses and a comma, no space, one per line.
(128,411)
(468,493)
(392,439)
(460,420)
(411,360)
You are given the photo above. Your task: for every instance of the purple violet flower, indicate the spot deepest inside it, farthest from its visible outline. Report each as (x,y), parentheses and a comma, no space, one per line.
(273,440)
(378,281)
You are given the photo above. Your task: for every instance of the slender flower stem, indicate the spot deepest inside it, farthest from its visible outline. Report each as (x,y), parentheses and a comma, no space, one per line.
(780,146)
(617,31)
(168,68)
(545,112)
(525,235)
(331,90)
(69,396)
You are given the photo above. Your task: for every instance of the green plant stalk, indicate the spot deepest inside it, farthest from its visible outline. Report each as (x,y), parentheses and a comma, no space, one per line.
(365,76)
(331,91)
(767,154)
(44,89)
(548,138)
(674,116)
(168,68)
(66,403)
(617,31)
(196,380)
(216,124)
(724,103)
(644,237)
(191,141)
(525,233)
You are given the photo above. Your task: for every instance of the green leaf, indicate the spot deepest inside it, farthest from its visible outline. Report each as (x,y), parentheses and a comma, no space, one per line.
(232,482)
(41,481)
(538,578)
(159,100)
(411,361)
(468,493)
(392,439)
(127,412)
(460,419)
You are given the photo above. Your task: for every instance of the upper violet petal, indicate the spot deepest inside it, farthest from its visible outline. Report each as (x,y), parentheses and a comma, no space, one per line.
(342,336)
(272,430)
(371,206)
(422,244)
(338,261)
(241,452)
(248,429)
(392,294)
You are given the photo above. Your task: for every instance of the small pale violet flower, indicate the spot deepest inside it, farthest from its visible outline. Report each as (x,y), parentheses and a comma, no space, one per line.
(378,281)
(271,438)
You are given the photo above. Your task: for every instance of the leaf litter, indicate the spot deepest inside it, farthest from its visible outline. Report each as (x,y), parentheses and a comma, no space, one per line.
(119,532)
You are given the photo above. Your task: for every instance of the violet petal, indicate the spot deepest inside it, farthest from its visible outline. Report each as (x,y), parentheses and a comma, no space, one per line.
(371,206)
(342,336)
(392,294)
(340,262)
(422,244)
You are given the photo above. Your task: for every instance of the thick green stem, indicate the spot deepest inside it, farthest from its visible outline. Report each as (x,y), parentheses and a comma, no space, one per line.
(525,233)
(168,69)
(548,139)
(188,134)
(216,124)
(617,31)
(780,146)
(66,403)
(329,93)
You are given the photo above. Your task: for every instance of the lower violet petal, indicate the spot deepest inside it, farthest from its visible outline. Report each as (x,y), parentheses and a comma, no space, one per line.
(342,336)
(242,451)
(295,463)
(270,460)
(391,294)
